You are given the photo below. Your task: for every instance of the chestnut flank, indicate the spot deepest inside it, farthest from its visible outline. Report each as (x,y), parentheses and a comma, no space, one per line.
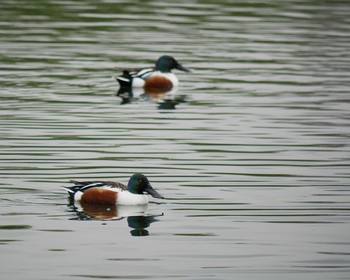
(158,82)
(99,196)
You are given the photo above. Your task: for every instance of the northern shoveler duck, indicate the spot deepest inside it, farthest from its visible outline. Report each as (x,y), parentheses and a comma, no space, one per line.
(159,76)
(113,193)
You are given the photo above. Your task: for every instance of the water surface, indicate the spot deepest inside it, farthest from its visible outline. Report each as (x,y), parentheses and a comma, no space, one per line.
(251,151)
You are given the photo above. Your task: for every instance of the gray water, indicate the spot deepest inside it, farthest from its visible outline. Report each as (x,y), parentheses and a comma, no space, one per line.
(251,151)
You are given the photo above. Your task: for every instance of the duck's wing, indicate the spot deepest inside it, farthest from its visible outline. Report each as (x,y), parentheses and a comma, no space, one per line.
(126,79)
(81,186)
(84,185)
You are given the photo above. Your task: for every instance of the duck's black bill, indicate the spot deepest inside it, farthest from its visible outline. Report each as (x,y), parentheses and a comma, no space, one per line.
(153,192)
(182,68)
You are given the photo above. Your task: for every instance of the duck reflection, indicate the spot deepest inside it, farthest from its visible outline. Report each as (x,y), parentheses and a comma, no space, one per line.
(164,97)
(140,223)
(135,214)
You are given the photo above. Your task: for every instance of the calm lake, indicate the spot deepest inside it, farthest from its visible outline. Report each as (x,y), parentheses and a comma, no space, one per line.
(251,151)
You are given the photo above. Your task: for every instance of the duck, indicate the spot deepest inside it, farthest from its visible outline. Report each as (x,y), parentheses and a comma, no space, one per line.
(112,193)
(151,78)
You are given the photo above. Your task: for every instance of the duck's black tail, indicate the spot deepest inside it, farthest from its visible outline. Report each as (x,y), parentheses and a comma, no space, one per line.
(71,191)
(125,80)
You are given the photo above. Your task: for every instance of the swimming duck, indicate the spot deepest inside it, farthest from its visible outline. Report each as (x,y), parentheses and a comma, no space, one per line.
(159,76)
(113,193)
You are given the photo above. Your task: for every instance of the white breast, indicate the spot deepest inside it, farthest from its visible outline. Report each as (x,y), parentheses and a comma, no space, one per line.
(127,198)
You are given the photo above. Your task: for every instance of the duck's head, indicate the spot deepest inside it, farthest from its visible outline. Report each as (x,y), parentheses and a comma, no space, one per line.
(139,184)
(166,63)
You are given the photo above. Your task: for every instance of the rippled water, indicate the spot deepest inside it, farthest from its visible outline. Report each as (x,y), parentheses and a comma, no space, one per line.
(251,151)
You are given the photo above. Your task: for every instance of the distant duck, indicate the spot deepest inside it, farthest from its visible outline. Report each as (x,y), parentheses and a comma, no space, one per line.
(113,193)
(159,76)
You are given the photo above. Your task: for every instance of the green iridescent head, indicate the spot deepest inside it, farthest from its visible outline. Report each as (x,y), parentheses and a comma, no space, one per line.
(166,63)
(139,184)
